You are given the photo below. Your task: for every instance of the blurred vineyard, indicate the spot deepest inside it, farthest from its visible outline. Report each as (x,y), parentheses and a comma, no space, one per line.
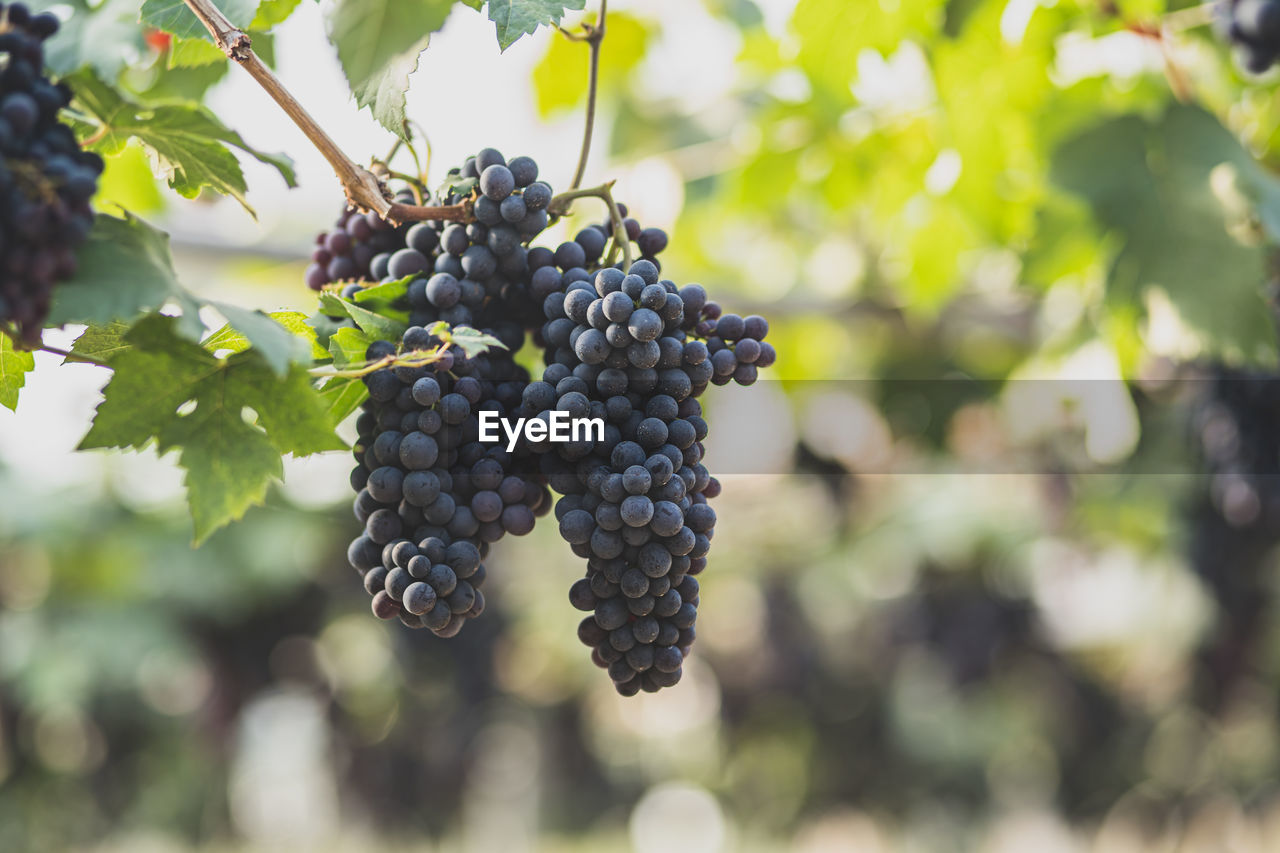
(996,566)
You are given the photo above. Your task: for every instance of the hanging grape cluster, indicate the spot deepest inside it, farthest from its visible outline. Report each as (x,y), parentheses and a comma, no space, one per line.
(46,181)
(637,351)
(431,496)
(625,346)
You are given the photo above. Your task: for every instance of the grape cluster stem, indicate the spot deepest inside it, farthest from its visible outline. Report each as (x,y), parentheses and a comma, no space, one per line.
(416,359)
(560,205)
(593,35)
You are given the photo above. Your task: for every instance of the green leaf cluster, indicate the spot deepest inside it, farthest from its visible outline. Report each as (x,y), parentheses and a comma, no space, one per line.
(188,145)
(231,418)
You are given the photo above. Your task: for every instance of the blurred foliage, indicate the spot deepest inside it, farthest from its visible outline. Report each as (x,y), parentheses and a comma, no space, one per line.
(982,596)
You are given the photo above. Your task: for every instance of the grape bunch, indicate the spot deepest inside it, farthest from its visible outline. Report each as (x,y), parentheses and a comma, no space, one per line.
(431,496)
(46,181)
(1252,28)
(624,346)
(347,253)
(484,262)
(636,351)
(510,209)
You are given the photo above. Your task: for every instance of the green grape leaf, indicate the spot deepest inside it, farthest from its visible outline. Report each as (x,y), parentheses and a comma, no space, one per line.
(174,392)
(300,325)
(151,380)
(455,184)
(278,346)
(348,346)
(342,396)
(474,341)
(288,408)
(516,18)
(186,143)
(273,12)
(230,340)
(103,342)
(173,16)
(383,298)
(229,464)
(14,367)
(1150,182)
(381,328)
(378,44)
(326,326)
(333,305)
(193,53)
(124,270)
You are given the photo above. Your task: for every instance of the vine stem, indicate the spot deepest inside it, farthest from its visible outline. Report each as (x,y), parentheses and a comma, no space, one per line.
(594,36)
(361,185)
(560,205)
(424,168)
(416,360)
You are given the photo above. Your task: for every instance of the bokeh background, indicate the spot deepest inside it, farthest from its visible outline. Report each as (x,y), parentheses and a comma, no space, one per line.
(996,559)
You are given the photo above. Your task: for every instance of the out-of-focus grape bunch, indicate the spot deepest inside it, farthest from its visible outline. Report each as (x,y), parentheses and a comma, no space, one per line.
(46,181)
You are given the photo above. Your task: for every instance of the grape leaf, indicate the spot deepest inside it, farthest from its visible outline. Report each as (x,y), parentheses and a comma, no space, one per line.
(193,53)
(14,366)
(103,342)
(124,270)
(386,293)
(455,184)
(229,465)
(278,346)
(342,396)
(473,341)
(325,326)
(1150,182)
(348,346)
(381,328)
(151,380)
(173,16)
(150,396)
(516,18)
(186,143)
(383,298)
(288,409)
(378,44)
(273,12)
(230,340)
